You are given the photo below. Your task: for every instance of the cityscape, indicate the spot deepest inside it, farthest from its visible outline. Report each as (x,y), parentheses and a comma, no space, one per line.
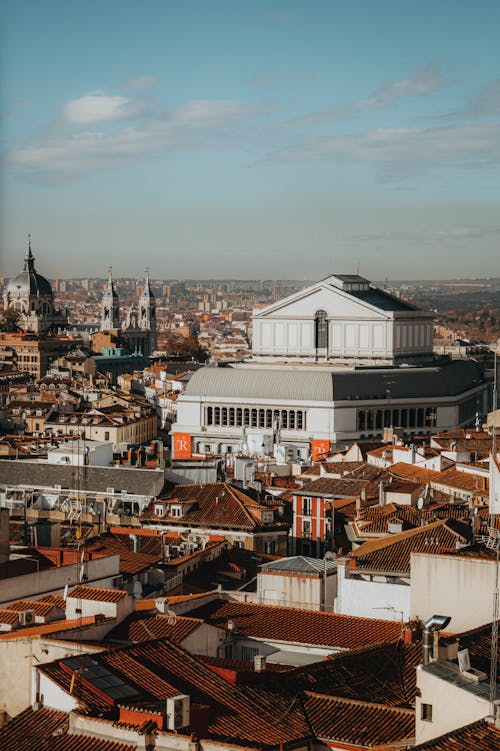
(249,414)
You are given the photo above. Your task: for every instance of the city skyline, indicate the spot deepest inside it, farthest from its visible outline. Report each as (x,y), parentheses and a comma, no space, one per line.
(281,140)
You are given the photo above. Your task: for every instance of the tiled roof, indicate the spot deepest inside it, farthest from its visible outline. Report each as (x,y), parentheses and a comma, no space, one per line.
(130,562)
(46,730)
(57,600)
(40,608)
(217,504)
(393,554)
(138,627)
(97,593)
(479,736)
(357,722)
(452,478)
(298,626)
(330,487)
(157,670)
(45,629)
(33,731)
(8,617)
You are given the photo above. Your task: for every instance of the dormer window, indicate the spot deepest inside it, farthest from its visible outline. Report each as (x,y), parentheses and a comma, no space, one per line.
(176,511)
(159,509)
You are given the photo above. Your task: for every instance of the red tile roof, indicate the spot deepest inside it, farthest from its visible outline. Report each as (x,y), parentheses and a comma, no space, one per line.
(479,736)
(392,554)
(298,626)
(138,627)
(97,593)
(357,722)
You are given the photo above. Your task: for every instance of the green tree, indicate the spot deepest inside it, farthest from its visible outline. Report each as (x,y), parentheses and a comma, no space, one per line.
(9,321)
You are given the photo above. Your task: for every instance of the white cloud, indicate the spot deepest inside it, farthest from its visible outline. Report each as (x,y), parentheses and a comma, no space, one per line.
(457,144)
(98,108)
(141,82)
(424,80)
(64,153)
(206,111)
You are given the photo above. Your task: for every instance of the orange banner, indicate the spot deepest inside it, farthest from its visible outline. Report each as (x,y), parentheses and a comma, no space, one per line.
(319,450)
(182,446)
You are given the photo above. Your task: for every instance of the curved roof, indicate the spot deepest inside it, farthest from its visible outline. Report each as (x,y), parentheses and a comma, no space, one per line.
(447,378)
(264,383)
(29,283)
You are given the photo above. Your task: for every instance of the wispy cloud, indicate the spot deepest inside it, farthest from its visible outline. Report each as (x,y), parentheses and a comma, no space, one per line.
(99,108)
(99,131)
(399,152)
(141,82)
(484,102)
(425,80)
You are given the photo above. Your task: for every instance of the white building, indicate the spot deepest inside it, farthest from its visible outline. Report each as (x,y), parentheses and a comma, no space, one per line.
(336,362)
(342,318)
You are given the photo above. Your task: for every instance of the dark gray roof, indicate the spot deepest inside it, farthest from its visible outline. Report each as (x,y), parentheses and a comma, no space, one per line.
(147,482)
(29,283)
(382,300)
(448,378)
(445,378)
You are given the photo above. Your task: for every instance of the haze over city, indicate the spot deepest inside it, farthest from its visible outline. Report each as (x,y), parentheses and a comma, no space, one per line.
(261,140)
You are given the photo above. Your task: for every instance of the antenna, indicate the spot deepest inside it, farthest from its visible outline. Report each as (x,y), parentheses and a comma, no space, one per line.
(493,543)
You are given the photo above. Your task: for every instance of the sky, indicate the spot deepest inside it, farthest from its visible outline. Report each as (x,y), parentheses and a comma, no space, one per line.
(266,139)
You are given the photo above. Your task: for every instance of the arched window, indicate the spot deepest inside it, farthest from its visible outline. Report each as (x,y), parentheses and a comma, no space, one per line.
(321,330)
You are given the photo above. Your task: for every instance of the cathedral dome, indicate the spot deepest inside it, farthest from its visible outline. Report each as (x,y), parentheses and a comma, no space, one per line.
(29,281)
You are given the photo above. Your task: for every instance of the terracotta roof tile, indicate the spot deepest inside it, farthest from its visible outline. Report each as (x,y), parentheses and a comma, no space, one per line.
(139,627)
(479,736)
(393,554)
(357,722)
(97,593)
(298,626)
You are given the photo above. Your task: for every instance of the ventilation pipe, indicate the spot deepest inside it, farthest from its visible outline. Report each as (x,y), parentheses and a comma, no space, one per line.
(434,624)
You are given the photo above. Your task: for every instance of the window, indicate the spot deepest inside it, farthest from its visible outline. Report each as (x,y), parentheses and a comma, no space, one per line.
(262,418)
(217,416)
(269,418)
(306,506)
(246,417)
(248,653)
(231,415)
(106,435)
(426,712)
(306,529)
(300,421)
(321,330)
(224,415)
(210,415)
(254,418)
(291,420)
(284,418)
(239,417)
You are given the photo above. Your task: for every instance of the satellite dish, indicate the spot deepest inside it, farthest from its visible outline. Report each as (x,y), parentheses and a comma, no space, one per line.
(420,503)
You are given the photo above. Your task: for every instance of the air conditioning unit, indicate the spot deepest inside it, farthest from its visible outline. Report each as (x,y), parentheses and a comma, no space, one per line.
(178,714)
(27,617)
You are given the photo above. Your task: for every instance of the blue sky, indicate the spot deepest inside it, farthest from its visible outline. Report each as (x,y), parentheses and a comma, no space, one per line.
(210,138)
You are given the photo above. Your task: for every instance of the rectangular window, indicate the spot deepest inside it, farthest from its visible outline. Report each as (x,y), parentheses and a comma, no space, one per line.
(269,418)
(306,529)
(210,415)
(231,415)
(239,417)
(217,416)
(306,506)
(291,420)
(426,712)
(254,418)
(300,421)
(106,435)
(246,417)
(262,418)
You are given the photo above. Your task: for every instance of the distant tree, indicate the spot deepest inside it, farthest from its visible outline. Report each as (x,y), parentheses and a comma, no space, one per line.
(9,321)
(189,348)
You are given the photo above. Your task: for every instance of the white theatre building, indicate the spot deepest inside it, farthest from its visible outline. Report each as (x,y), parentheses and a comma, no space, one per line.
(333,363)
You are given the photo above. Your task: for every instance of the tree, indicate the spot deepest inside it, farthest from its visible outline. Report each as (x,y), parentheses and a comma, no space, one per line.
(9,321)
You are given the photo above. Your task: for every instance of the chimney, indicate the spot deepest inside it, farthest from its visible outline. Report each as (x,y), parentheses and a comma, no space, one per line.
(435,624)
(259,663)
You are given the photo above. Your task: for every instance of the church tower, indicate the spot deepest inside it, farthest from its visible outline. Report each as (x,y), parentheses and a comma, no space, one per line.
(110,307)
(147,313)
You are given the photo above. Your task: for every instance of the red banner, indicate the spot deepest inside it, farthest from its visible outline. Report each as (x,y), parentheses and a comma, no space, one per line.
(182,446)
(319,450)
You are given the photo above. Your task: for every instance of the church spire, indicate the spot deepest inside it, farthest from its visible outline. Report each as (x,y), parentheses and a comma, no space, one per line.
(29,260)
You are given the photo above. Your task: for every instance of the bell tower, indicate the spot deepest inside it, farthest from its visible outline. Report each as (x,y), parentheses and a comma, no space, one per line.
(147,312)
(110,307)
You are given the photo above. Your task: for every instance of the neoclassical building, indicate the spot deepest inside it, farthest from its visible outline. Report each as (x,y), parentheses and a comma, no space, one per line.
(342,318)
(30,294)
(339,361)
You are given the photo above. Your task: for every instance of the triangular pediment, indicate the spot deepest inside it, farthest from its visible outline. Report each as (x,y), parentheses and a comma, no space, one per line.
(321,296)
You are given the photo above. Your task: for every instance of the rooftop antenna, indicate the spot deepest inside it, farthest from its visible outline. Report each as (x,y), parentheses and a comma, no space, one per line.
(493,543)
